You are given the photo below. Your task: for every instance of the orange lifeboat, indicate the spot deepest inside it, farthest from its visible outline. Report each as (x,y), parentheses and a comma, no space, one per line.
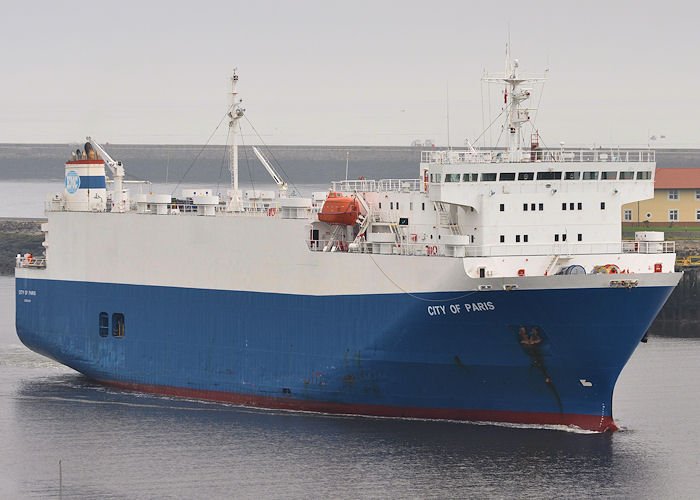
(339,209)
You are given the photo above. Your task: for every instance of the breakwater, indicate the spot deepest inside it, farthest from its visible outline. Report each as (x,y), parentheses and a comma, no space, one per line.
(296,164)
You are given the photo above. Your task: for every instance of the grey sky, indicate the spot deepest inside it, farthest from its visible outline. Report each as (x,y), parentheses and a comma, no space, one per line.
(372,73)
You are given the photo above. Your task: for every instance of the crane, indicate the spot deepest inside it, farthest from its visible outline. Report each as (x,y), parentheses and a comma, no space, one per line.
(275,177)
(117,169)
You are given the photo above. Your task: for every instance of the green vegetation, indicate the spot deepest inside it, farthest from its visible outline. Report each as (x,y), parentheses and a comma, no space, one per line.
(672,231)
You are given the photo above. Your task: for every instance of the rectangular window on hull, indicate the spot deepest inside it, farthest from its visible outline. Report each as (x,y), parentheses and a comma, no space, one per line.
(118,325)
(104,324)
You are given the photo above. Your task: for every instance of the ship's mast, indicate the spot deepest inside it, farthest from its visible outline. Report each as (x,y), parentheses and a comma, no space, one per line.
(235,114)
(513,96)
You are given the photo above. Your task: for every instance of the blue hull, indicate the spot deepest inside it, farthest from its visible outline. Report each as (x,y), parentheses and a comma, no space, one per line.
(368,354)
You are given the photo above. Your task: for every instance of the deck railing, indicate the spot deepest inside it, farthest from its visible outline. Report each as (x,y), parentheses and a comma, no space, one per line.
(562,155)
(435,249)
(368,186)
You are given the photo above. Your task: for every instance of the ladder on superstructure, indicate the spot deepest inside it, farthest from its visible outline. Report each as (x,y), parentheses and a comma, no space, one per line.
(445,221)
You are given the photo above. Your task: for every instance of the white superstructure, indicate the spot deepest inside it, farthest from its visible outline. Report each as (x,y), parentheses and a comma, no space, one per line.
(520,212)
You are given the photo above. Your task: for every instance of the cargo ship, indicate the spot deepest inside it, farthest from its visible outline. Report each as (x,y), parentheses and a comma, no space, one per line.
(494,287)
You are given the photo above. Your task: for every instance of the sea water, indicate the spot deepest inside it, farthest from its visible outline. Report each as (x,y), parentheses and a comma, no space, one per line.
(121,444)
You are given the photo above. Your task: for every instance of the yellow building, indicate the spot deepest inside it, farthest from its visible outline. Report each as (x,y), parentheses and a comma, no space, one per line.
(676,200)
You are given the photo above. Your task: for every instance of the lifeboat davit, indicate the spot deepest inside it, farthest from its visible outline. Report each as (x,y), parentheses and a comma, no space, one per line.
(339,209)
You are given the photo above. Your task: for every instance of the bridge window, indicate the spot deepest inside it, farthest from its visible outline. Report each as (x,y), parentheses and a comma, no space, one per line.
(104,324)
(548,176)
(608,176)
(673,215)
(470,177)
(118,326)
(590,176)
(526,176)
(451,177)
(507,176)
(672,194)
(488,177)
(572,176)
(625,176)
(643,176)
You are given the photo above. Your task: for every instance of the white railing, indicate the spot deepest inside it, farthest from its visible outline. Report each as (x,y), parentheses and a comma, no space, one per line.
(562,155)
(382,185)
(631,246)
(31,262)
(439,249)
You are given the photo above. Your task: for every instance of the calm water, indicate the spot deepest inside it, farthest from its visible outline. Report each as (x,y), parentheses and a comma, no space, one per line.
(118,444)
